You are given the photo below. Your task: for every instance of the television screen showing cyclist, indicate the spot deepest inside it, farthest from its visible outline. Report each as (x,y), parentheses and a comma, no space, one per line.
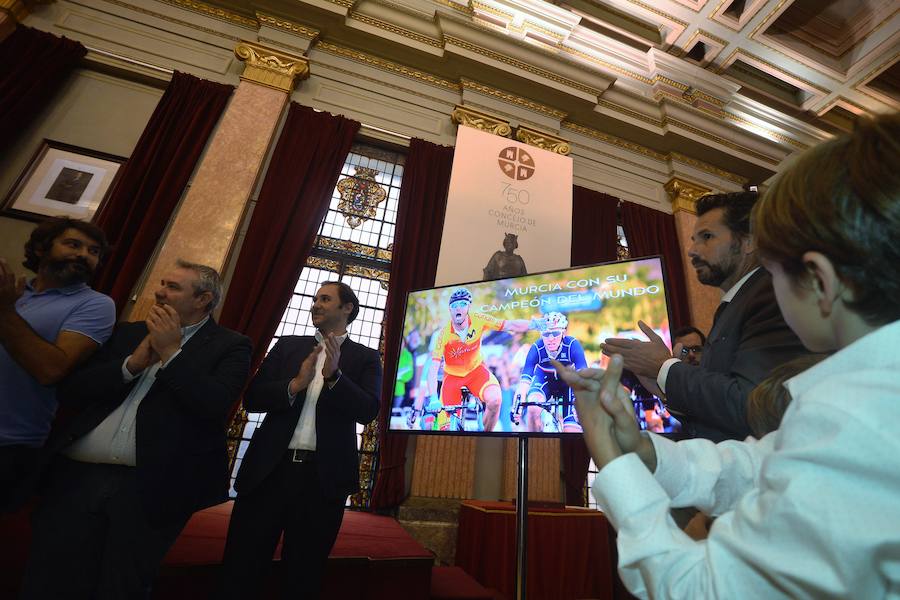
(547,402)
(458,348)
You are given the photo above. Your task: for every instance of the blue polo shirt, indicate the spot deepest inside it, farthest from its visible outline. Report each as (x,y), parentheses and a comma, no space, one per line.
(27,407)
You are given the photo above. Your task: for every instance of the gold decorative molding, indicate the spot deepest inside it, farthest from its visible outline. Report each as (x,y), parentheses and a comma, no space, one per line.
(386,65)
(285,25)
(615,141)
(190,25)
(549,111)
(215,12)
(544,141)
(684,194)
(271,68)
(17,9)
(462,115)
(708,168)
(391,28)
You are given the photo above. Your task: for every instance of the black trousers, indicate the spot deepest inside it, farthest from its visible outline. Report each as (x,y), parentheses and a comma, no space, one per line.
(289,500)
(16,465)
(91,538)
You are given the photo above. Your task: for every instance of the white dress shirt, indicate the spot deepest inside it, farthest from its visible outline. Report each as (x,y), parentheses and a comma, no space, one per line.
(113,440)
(304,437)
(663,374)
(810,511)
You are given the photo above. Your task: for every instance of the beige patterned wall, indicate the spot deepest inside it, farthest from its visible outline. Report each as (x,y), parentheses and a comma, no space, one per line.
(444,467)
(544,469)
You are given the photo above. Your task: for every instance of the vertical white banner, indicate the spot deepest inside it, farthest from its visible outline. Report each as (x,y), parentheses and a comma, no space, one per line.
(509,210)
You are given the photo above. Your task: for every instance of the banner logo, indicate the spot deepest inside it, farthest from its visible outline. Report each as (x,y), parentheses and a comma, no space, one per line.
(516,163)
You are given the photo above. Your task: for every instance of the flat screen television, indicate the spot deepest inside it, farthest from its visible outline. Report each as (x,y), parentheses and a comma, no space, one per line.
(474,356)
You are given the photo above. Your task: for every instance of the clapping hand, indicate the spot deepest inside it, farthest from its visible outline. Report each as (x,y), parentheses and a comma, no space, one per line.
(606,413)
(332,355)
(11,287)
(165,330)
(642,358)
(306,373)
(142,357)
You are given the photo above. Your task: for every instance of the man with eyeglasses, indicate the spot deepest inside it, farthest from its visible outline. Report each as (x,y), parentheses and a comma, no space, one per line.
(540,381)
(692,341)
(459,349)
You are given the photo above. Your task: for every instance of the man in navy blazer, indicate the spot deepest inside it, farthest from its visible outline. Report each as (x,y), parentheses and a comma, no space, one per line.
(145,449)
(302,462)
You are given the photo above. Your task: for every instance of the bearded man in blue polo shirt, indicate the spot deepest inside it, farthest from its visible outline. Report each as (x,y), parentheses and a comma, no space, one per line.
(48,326)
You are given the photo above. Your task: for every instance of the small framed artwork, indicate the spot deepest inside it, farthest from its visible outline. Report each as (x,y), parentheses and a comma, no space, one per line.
(63,180)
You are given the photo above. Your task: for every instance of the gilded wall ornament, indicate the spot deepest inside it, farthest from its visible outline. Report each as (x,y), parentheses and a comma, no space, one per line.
(360,196)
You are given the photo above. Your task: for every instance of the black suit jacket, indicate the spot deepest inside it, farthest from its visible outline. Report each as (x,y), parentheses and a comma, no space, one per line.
(747,341)
(353,399)
(182,461)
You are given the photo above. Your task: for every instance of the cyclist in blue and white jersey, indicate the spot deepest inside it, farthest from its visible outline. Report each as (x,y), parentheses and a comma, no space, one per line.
(539,380)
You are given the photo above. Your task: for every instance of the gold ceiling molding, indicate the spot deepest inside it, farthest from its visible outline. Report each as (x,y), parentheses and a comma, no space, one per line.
(549,111)
(631,113)
(466,10)
(765,20)
(714,38)
(385,65)
(768,132)
(215,32)
(610,139)
(303,31)
(521,65)
(708,168)
(481,6)
(684,194)
(215,12)
(771,65)
(659,13)
(401,31)
(470,117)
(720,140)
(343,3)
(544,141)
(271,68)
(605,64)
(16,9)
(280,44)
(864,80)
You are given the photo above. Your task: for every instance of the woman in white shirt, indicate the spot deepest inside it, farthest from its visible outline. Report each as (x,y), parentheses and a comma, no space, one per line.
(811,510)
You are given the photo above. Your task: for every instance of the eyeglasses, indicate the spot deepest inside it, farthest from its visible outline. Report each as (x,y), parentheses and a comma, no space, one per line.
(458,304)
(691,349)
(552,334)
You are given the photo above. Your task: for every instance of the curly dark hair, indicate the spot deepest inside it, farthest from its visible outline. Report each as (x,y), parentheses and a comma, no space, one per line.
(43,235)
(737,205)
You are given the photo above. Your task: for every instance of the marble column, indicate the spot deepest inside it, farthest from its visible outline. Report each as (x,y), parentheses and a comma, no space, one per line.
(702,299)
(206,223)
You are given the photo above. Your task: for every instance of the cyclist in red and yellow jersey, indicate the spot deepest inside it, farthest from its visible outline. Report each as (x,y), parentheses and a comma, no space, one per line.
(459,347)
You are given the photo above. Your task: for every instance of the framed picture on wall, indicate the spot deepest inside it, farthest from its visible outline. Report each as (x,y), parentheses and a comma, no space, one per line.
(63,180)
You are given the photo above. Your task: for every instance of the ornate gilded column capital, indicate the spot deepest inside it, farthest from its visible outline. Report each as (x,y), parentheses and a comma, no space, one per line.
(684,194)
(17,9)
(463,115)
(271,68)
(545,141)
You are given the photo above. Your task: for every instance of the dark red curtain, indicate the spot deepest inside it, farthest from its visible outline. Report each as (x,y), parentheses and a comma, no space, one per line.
(650,231)
(593,241)
(154,177)
(295,194)
(34,65)
(417,242)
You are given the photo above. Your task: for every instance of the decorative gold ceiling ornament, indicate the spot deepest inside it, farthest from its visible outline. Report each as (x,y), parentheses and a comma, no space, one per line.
(217,32)
(215,12)
(360,196)
(385,65)
(518,64)
(463,115)
(684,194)
(659,13)
(615,141)
(708,168)
(269,67)
(390,27)
(545,141)
(297,29)
(545,110)
(17,9)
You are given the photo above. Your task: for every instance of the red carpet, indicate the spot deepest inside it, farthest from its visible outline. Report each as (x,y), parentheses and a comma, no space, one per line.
(373,558)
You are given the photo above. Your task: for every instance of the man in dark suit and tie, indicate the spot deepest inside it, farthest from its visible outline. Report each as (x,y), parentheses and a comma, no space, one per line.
(302,462)
(748,338)
(145,449)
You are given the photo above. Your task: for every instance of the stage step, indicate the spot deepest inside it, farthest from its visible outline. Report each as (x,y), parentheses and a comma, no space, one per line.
(432,522)
(452,583)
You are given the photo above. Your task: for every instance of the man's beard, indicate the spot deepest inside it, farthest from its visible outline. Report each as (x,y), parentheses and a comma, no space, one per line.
(717,274)
(69,271)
